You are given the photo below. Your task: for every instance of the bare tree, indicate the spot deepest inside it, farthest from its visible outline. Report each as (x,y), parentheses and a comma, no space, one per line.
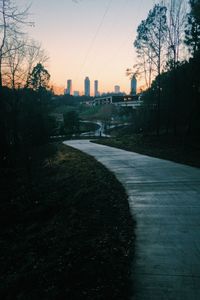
(11,21)
(150,47)
(20,61)
(144,68)
(35,54)
(177,19)
(13,63)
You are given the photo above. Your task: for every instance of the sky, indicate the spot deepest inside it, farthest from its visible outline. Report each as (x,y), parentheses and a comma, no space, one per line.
(91,38)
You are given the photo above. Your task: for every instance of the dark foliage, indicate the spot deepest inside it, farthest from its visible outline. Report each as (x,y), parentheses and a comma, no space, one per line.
(186,105)
(71,122)
(67,234)
(39,78)
(25,121)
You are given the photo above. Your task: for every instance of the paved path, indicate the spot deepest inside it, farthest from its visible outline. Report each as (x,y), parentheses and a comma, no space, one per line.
(165,201)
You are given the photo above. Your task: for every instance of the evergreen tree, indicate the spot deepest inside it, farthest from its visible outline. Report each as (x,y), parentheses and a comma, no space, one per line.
(193,28)
(39,78)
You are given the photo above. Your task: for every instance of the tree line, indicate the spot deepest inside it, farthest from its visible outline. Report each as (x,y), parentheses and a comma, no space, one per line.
(168,61)
(24,93)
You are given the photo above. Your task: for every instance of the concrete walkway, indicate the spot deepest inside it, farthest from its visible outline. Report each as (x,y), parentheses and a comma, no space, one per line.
(165,201)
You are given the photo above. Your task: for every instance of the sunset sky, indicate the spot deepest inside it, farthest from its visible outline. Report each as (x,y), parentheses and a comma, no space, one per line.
(91,38)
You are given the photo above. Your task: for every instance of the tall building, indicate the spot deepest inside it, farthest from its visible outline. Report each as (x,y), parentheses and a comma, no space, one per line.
(116,89)
(87,86)
(96,92)
(133,86)
(68,91)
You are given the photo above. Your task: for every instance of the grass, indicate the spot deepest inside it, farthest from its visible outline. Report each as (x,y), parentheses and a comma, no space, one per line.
(177,149)
(66,229)
(88,127)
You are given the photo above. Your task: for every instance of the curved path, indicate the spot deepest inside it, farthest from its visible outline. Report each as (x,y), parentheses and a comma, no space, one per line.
(165,201)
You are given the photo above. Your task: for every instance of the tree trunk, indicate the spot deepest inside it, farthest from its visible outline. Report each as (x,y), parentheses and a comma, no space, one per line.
(158,108)
(175,112)
(1,83)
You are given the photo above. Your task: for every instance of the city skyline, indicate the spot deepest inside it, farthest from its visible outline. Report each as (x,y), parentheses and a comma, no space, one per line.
(96,92)
(89,37)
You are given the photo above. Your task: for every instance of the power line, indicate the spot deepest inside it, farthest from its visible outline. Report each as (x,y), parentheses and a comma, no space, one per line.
(96,34)
(130,34)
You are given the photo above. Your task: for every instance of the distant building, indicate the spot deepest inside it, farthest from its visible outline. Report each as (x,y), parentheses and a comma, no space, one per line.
(96,92)
(68,90)
(87,86)
(116,89)
(133,86)
(76,93)
(113,94)
(118,100)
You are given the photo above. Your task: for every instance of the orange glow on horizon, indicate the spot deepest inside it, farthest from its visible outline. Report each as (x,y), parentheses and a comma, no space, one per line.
(88,40)
(58,90)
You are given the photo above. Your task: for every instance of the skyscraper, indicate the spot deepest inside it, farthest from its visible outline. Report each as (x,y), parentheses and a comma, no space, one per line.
(87,86)
(69,87)
(133,86)
(116,89)
(96,92)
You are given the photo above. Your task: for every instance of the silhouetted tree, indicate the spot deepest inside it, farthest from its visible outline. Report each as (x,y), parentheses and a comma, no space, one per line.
(144,66)
(25,121)
(150,40)
(39,77)
(192,31)
(19,63)
(193,41)
(176,22)
(11,18)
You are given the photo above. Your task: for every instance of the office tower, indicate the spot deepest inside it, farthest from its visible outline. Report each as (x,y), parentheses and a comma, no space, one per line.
(133,86)
(96,93)
(87,86)
(117,89)
(69,87)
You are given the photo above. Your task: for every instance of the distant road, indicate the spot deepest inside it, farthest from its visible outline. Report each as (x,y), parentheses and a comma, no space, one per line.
(164,198)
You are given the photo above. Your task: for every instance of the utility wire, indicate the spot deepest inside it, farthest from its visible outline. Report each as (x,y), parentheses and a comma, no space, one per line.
(96,34)
(117,52)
